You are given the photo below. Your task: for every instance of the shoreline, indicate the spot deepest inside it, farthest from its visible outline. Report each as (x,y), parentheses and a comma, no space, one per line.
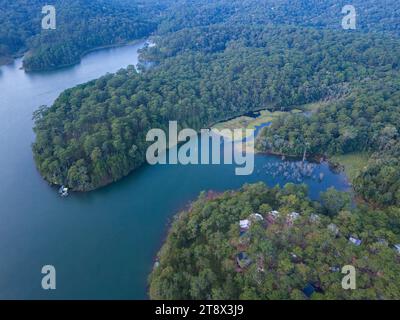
(334,166)
(8,60)
(85,53)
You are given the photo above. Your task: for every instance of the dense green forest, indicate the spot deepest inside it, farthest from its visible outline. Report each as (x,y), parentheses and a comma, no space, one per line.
(18,23)
(84,25)
(208,256)
(373,16)
(80,26)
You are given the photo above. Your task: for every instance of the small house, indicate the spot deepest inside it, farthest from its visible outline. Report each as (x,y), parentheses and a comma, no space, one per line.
(245,224)
(355,241)
(274,213)
(256,217)
(397,247)
(272,216)
(333,228)
(292,217)
(243,260)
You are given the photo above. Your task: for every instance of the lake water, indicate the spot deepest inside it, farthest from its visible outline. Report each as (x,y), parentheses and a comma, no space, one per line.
(102,243)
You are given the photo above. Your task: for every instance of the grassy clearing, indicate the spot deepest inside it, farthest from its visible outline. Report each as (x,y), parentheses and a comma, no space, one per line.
(314,107)
(265,117)
(245,122)
(239,122)
(352,163)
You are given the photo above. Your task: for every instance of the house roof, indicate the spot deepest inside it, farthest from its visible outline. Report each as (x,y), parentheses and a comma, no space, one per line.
(243,260)
(274,213)
(294,215)
(245,224)
(256,217)
(309,290)
(242,256)
(355,241)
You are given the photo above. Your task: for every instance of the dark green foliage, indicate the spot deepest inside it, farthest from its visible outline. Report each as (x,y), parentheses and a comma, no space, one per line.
(334,201)
(197,260)
(84,25)
(372,15)
(18,22)
(379,182)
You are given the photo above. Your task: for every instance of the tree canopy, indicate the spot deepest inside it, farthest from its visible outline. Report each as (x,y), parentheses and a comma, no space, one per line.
(84,25)
(199,257)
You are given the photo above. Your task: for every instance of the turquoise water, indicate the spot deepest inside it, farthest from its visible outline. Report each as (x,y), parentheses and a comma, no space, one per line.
(102,243)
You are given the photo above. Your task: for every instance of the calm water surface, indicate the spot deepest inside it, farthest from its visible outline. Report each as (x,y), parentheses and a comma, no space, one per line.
(102,243)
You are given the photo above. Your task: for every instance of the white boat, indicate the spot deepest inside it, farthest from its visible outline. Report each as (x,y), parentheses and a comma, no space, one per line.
(63,191)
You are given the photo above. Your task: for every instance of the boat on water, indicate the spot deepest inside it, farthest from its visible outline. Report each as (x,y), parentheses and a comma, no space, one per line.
(63,191)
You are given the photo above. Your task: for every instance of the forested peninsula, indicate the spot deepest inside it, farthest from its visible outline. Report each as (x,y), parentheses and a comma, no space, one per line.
(262,243)
(81,26)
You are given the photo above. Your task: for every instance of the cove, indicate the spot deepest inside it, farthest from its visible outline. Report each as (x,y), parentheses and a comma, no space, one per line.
(101,243)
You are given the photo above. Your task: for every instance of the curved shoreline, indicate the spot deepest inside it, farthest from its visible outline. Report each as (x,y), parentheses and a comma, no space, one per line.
(85,53)
(335,167)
